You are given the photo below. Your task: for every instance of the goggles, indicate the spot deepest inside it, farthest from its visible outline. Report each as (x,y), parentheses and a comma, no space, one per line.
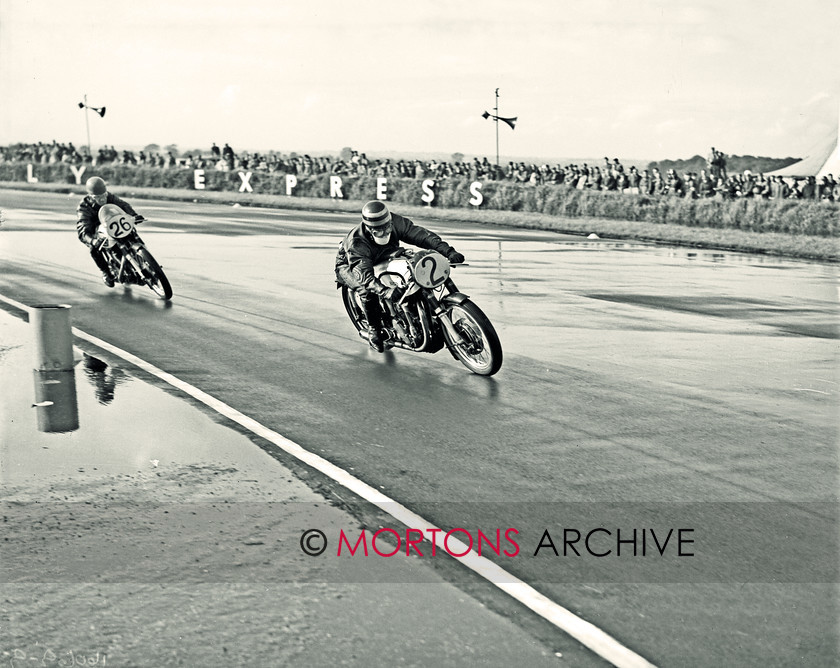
(381,231)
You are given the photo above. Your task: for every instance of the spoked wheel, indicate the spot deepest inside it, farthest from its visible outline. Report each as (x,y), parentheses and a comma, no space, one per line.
(153,275)
(357,316)
(481,351)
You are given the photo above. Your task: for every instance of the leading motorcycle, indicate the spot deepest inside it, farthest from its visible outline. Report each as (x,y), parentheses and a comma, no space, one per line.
(130,261)
(431,313)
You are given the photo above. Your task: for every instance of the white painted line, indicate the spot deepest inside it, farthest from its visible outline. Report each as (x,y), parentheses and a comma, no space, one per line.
(586,633)
(34,214)
(183,220)
(252,221)
(162,230)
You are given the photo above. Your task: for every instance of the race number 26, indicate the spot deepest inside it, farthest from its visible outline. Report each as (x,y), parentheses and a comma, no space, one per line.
(119,227)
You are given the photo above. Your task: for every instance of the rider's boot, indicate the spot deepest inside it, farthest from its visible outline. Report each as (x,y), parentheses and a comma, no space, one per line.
(102,263)
(373,314)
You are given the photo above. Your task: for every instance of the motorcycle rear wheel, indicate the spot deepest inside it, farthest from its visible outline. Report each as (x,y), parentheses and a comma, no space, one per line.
(153,275)
(354,311)
(357,315)
(482,352)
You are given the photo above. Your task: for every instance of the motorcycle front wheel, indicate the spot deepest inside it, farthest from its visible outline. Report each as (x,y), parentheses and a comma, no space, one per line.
(481,351)
(153,274)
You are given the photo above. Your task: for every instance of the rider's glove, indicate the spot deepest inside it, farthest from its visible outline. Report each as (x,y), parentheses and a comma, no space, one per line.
(139,219)
(455,257)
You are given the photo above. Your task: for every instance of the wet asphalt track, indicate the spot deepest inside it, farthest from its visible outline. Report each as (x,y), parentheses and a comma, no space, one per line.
(633,374)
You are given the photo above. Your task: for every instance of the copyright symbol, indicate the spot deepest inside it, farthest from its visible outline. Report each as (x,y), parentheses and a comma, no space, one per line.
(313,542)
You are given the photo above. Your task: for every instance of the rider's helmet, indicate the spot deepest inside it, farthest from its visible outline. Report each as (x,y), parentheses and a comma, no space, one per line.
(97,189)
(376,220)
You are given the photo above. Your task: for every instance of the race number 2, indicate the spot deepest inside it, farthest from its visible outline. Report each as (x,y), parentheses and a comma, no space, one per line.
(430,269)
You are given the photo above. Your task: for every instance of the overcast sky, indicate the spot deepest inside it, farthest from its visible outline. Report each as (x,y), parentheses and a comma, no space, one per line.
(634,79)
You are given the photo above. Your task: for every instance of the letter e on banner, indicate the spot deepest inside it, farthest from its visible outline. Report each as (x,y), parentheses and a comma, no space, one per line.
(291,182)
(77,172)
(475,190)
(335,187)
(381,187)
(198,179)
(246,177)
(428,194)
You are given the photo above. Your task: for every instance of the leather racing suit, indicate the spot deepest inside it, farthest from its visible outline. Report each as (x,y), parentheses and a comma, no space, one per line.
(87,223)
(358,253)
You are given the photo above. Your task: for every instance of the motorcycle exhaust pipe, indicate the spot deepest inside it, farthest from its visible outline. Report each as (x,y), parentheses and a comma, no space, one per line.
(387,342)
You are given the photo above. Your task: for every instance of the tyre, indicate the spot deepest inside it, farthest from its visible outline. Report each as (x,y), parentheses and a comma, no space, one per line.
(354,310)
(153,275)
(481,352)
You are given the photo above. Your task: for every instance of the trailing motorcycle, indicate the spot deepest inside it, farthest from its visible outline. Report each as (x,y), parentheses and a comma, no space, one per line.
(130,261)
(431,313)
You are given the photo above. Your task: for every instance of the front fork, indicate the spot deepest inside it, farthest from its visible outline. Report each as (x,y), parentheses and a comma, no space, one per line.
(127,254)
(132,258)
(442,314)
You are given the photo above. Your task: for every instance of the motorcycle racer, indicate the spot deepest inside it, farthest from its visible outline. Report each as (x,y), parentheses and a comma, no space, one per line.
(87,221)
(376,237)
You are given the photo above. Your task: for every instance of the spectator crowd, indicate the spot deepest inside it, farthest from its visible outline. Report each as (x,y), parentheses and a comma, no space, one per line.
(611,175)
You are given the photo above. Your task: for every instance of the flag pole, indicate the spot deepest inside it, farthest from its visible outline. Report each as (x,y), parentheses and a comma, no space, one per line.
(496,120)
(87,125)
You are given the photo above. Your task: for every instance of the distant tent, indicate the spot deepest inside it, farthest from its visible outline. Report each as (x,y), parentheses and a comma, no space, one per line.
(823,159)
(819,162)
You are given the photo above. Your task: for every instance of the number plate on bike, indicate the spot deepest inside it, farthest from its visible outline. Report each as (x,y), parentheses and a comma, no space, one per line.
(430,269)
(115,222)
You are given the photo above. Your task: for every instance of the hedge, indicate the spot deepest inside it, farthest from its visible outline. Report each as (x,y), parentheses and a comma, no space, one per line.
(756,215)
